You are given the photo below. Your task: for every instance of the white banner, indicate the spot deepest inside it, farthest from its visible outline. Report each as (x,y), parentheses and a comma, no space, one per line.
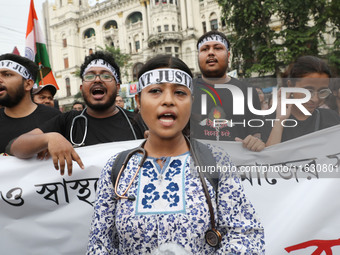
(42,212)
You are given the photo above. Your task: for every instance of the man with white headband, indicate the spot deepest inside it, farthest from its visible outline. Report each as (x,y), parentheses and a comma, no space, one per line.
(213,56)
(101,122)
(20,114)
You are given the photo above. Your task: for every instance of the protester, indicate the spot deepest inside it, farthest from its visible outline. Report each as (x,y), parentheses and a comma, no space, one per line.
(120,101)
(19,113)
(78,106)
(333,101)
(213,56)
(312,74)
(100,122)
(44,94)
(166,201)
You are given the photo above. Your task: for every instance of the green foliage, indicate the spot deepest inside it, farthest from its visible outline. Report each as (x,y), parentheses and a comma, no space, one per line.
(268,35)
(121,59)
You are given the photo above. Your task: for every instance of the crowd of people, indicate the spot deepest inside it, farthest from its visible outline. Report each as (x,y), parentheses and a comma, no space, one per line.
(174,204)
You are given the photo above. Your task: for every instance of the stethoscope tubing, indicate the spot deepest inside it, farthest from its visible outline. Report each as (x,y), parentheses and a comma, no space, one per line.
(213,236)
(82,115)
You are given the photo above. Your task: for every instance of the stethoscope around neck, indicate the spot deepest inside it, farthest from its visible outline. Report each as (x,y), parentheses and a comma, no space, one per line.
(82,115)
(213,237)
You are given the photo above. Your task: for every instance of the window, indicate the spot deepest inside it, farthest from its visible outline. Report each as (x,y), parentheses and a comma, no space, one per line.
(159,28)
(213,24)
(213,21)
(173,27)
(204,25)
(110,24)
(176,49)
(167,49)
(166,27)
(135,17)
(68,87)
(89,33)
(137,45)
(64,42)
(65,62)
(135,71)
(130,47)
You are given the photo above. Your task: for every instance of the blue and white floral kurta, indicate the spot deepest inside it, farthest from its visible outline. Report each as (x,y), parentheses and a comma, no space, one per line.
(171,208)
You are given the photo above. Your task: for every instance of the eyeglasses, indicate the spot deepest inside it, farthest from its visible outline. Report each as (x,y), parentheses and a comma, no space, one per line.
(103,77)
(322,94)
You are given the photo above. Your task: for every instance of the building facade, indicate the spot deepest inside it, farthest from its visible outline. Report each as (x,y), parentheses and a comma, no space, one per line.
(141,28)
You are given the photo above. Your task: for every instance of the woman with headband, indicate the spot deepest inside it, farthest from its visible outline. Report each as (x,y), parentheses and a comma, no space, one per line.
(166,202)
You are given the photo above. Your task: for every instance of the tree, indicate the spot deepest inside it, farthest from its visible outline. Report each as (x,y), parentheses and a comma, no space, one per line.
(121,59)
(262,48)
(334,50)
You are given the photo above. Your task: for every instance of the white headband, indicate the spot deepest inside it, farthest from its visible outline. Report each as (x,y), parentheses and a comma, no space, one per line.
(214,38)
(102,63)
(16,67)
(164,75)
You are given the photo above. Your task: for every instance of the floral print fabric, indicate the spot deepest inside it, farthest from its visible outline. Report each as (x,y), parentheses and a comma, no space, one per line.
(171,208)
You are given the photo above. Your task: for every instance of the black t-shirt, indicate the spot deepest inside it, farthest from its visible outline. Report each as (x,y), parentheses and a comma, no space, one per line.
(320,119)
(11,128)
(99,130)
(220,106)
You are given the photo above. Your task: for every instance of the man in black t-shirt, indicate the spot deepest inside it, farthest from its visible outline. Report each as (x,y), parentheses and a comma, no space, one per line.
(19,114)
(100,122)
(214,107)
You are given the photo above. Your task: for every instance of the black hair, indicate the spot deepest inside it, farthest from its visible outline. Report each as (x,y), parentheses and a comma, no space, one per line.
(78,102)
(32,67)
(306,65)
(210,33)
(108,57)
(164,61)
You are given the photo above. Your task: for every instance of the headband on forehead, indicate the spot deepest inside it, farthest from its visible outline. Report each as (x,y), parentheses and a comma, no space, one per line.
(164,75)
(214,38)
(16,67)
(102,63)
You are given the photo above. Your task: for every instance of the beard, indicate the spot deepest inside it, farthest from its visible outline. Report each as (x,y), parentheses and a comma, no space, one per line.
(103,106)
(214,74)
(11,101)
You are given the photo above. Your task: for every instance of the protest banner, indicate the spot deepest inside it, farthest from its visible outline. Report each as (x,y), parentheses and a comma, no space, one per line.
(42,212)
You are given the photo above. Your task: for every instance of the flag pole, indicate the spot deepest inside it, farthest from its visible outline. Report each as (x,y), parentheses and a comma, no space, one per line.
(41,75)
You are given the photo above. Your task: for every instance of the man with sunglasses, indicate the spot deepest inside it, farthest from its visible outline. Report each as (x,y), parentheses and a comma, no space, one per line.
(100,122)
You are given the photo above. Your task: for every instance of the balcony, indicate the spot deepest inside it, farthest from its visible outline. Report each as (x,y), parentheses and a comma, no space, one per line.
(160,38)
(110,33)
(134,26)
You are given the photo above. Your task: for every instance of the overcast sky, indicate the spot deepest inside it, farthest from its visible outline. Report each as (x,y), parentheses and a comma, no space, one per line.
(13,22)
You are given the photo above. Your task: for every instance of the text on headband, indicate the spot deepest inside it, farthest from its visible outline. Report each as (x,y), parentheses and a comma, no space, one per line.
(214,38)
(102,63)
(16,67)
(164,75)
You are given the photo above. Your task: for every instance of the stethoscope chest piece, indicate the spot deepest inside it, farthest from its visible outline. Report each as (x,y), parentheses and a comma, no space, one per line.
(213,238)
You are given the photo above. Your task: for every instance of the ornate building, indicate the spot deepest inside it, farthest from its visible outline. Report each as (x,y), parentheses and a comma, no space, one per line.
(141,28)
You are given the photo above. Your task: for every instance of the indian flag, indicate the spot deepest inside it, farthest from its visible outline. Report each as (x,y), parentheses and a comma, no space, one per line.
(36,49)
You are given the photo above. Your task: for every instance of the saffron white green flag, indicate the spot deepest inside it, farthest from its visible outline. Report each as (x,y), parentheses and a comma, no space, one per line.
(36,49)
